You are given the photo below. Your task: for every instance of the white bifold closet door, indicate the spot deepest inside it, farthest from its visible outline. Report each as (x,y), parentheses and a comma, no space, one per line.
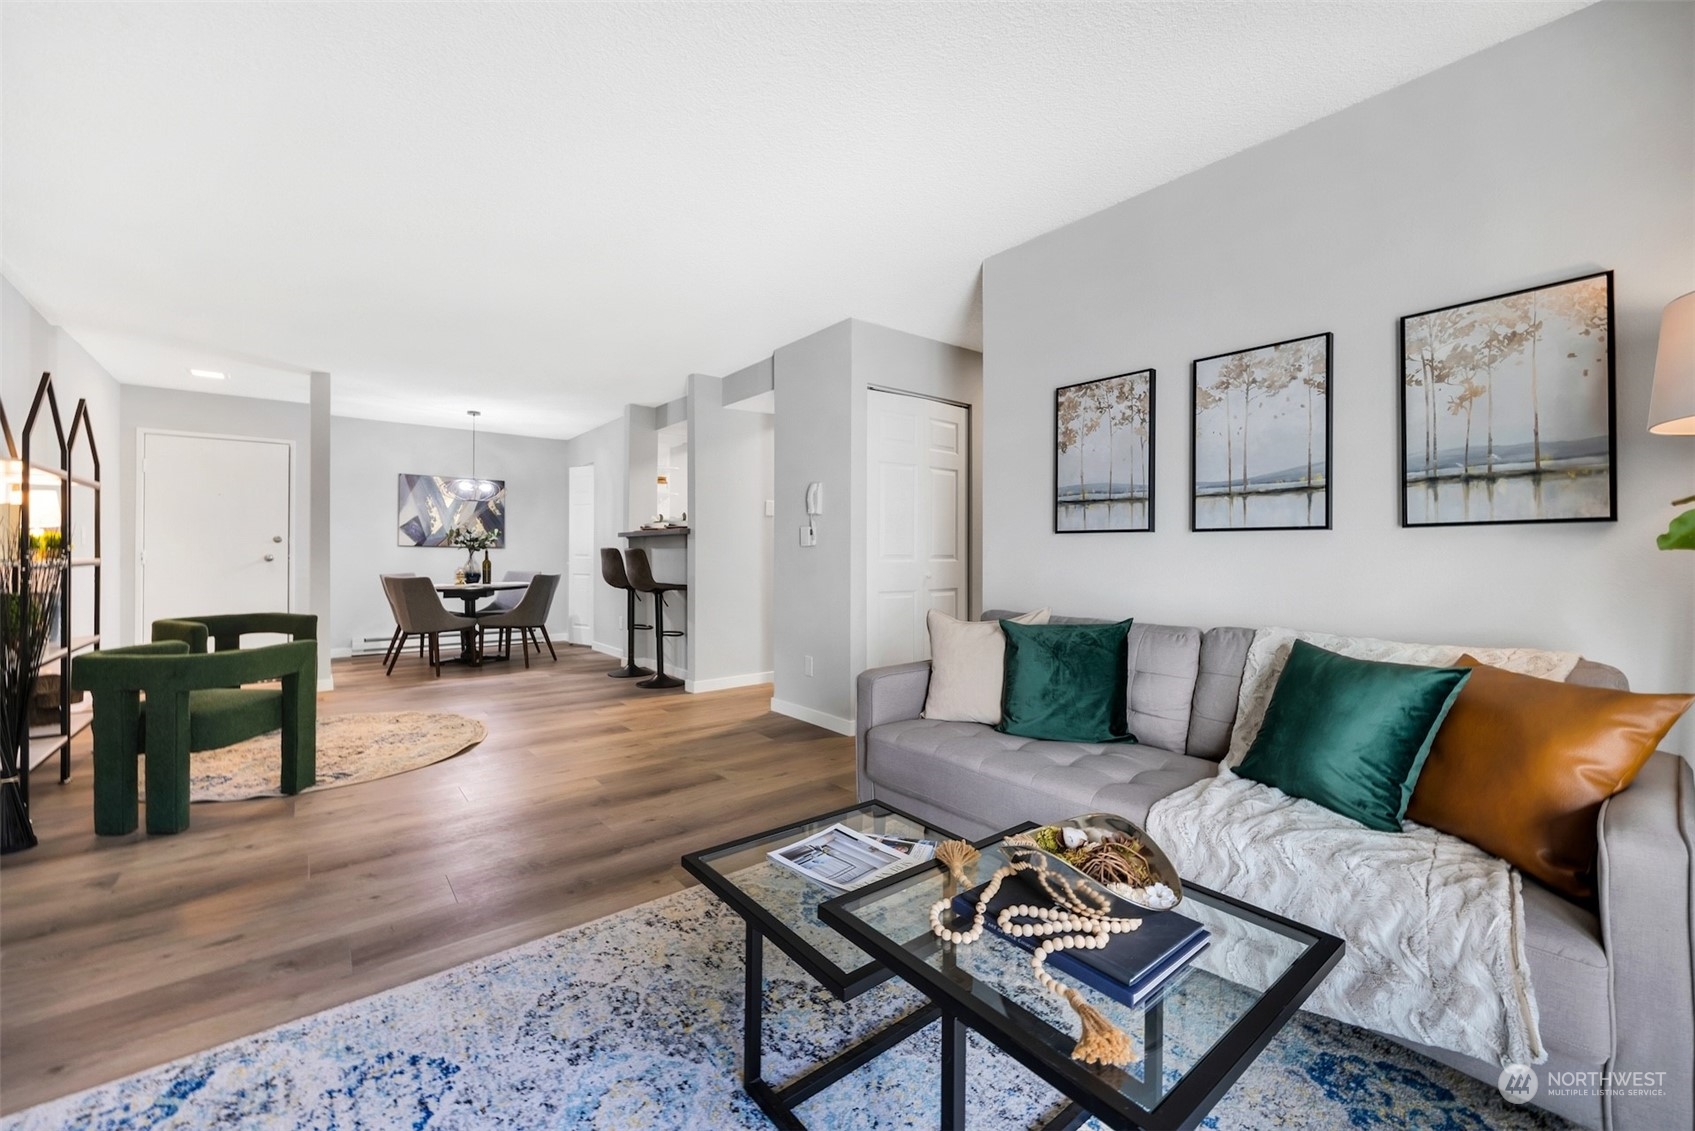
(917,536)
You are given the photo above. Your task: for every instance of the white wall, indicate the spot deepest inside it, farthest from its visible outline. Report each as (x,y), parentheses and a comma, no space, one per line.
(1568,150)
(821,383)
(214,414)
(366,459)
(29,346)
(729,551)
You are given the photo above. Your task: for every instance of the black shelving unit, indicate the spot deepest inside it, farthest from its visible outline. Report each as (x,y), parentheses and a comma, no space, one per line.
(46,740)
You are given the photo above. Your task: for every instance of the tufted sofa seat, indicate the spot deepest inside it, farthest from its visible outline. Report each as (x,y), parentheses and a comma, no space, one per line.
(1002,779)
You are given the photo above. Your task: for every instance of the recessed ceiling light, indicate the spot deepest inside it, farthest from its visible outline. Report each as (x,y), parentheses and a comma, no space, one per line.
(209,374)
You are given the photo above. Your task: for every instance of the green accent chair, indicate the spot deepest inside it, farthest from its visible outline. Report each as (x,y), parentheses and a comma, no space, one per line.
(195,701)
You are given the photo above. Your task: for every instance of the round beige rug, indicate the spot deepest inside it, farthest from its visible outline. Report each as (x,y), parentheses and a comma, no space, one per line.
(351,749)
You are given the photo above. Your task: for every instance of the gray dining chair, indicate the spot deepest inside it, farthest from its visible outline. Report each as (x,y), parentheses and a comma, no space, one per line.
(394,641)
(418,608)
(505,600)
(527,617)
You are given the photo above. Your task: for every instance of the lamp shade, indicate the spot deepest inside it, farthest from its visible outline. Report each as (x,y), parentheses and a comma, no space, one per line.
(1671,411)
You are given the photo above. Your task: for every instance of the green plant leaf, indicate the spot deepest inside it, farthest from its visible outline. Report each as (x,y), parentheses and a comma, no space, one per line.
(1681,534)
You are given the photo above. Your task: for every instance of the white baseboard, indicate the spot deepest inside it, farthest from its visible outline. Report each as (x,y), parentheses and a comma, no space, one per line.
(341,653)
(326,683)
(816,718)
(616,651)
(724,683)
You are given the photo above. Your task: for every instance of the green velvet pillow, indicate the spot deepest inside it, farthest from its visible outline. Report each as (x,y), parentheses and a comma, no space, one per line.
(1351,735)
(1066,682)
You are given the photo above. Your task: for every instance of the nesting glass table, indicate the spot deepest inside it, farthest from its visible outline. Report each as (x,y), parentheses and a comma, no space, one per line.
(1194,1038)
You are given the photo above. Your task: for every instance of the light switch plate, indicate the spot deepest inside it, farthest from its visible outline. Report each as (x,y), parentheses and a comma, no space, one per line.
(808,536)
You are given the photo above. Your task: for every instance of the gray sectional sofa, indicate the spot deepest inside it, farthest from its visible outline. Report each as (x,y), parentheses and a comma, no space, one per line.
(1615,984)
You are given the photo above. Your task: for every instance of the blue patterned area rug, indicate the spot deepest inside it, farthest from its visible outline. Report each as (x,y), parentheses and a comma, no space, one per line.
(634,1021)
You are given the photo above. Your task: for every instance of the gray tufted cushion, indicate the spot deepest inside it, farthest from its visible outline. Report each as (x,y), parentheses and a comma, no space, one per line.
(1224,653)
(1002,779)
(1164,662)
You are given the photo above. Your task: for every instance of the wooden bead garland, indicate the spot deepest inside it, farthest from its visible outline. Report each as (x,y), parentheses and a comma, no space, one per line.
(1078,920)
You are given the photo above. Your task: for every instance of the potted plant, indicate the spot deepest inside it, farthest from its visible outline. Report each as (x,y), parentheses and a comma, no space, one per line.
(473,539)
(29,599)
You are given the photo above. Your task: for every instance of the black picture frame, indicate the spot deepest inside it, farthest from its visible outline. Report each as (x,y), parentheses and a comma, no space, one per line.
(1131,405)
(1308,490)
(1485,347)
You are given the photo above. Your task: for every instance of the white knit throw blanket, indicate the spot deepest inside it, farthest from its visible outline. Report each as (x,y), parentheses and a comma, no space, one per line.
(1434,926)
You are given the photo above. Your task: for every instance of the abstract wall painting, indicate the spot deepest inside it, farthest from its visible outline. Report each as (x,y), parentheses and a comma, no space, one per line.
(432,505)
(1261,453)
(1104,454)
(1507,408)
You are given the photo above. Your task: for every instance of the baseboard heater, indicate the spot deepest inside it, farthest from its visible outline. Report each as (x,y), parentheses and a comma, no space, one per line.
(372,645)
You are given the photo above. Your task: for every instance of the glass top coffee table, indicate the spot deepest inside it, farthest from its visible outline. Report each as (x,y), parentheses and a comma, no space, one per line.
(1199,1034)
(781,905)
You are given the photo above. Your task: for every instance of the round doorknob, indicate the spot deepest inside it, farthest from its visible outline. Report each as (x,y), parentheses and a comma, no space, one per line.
(276,537)
(270,557)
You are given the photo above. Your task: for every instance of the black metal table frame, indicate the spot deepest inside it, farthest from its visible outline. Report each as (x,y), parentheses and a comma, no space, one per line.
(470,646)
(778,1103)
(1181,1109)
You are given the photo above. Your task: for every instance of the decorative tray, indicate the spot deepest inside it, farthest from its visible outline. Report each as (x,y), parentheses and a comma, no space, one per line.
(1107,852)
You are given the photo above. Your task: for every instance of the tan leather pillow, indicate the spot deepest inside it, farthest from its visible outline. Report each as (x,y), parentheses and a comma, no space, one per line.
(1521,766)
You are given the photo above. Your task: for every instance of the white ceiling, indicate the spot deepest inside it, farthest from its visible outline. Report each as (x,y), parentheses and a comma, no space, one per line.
(547,211)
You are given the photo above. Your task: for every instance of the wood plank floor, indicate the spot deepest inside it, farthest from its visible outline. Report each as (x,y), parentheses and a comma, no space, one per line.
(118,953)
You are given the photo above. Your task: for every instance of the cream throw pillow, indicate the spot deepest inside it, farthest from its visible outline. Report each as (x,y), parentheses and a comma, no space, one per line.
(967,667)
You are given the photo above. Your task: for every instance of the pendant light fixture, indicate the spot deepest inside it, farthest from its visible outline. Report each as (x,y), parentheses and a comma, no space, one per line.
(473,489)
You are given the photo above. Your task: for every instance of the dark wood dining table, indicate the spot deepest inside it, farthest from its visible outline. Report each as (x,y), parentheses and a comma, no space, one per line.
(469,650)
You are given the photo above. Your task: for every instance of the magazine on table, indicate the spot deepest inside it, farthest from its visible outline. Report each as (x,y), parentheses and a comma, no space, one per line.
(844,858)
(912,848)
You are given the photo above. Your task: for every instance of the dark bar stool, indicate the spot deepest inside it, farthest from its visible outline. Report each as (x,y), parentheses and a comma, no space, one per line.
(612,572)
(640,573)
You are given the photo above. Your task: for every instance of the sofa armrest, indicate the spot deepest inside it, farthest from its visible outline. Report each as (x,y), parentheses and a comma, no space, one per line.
(886,695)
(1647,905)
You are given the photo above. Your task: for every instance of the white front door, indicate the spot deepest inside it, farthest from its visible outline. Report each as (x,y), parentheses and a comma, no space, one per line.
(579,535)
(917,536)
(214,526)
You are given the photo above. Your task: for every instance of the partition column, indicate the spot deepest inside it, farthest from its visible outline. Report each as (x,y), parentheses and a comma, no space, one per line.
(318,510)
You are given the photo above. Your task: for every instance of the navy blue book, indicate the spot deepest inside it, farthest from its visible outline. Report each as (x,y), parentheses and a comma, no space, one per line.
(1129,968)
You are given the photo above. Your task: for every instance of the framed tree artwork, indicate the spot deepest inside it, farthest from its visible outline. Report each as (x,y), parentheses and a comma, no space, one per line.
(1104,454)
(1507,408)
(1260,458)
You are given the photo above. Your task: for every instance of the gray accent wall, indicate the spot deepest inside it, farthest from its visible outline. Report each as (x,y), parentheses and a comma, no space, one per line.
(811,605)
(1567,150)
(821,384)
(730,540)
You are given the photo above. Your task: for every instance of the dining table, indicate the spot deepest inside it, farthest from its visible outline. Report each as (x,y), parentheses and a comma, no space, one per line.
(470,649)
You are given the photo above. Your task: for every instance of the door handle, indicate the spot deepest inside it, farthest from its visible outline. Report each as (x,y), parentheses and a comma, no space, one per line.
(270,557)
(276,537)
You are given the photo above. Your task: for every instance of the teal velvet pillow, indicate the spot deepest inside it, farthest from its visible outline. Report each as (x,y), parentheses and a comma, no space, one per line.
(1351,735)
(1066,682)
